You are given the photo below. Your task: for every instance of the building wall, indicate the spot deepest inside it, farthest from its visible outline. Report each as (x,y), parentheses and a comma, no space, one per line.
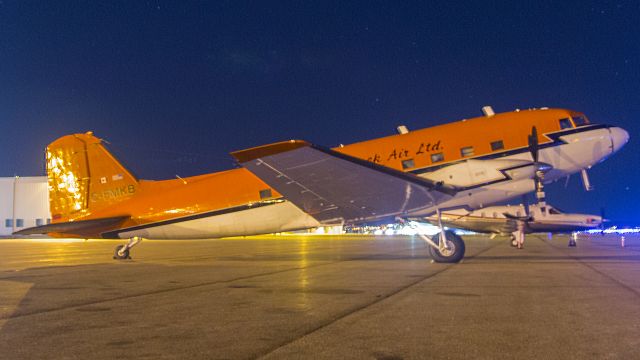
(31,203)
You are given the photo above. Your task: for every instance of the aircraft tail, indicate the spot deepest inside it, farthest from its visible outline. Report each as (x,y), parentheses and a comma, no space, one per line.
(83,177)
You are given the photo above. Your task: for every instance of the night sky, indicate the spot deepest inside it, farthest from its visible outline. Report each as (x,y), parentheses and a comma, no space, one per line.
(175,86)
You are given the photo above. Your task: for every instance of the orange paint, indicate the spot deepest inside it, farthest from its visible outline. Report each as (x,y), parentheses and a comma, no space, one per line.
(87,182)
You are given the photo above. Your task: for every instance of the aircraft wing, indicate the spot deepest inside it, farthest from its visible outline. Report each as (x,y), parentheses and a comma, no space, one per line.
(93,226)
(337,188)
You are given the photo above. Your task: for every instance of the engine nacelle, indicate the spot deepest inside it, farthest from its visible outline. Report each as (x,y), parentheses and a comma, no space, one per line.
(472,173)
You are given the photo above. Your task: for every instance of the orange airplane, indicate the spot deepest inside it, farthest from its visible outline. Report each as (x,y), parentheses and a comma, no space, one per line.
(295,185)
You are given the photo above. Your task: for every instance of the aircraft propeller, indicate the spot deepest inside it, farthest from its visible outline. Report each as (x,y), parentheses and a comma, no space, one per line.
(540,168)
(602,220)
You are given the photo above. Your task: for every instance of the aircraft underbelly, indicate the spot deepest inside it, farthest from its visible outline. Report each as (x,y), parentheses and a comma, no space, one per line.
(278,217)
(488,225)
(557,228)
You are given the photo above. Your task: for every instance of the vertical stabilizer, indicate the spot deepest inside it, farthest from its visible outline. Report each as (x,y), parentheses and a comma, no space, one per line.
(83,177)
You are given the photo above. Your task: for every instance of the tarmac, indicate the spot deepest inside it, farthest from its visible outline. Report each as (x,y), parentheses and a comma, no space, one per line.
(320,297)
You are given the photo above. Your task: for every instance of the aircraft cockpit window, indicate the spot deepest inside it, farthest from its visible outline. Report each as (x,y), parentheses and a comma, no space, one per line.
(580,120)
(554,211)
(565,124)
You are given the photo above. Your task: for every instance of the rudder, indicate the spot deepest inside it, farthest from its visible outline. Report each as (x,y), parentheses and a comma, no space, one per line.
(83,177)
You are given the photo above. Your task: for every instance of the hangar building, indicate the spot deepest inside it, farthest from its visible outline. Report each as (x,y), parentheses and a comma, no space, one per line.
(24,202)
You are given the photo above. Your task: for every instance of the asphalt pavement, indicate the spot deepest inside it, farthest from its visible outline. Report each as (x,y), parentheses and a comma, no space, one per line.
(320,297)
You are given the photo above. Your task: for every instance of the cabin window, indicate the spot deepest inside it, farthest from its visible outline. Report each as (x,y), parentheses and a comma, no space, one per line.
(39,222)
(8,223)
(19,222)
(437,157)
(408,164)
(579,121)
(466,151)
(265,194)
(565,124)
(497,145)
(48,221)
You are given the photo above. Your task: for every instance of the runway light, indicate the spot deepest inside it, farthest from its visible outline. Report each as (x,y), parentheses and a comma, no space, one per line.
(613,230)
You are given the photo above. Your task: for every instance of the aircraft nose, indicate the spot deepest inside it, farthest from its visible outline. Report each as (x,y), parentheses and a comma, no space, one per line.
(619,137)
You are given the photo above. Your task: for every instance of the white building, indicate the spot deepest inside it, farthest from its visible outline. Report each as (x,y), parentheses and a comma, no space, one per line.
(24,203)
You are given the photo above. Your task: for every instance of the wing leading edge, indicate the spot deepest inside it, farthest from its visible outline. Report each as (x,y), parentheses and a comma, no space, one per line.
(336,188)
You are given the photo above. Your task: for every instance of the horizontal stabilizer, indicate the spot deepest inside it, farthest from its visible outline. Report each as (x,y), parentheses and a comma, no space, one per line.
(74,227)
(337,188)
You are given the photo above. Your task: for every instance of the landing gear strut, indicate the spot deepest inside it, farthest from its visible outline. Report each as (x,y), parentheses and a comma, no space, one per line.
(122,251)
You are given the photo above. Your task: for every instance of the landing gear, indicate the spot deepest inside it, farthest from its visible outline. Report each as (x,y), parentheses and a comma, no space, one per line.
(572,239)
(449,251)
(122,251)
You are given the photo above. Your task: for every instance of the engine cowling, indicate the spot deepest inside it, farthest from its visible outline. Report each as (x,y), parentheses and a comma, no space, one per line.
(472,173)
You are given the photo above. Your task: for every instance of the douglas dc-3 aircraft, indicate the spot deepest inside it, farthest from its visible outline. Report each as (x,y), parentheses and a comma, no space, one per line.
(295,185)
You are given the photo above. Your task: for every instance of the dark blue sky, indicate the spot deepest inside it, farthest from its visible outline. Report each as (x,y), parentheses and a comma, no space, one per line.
(175,86)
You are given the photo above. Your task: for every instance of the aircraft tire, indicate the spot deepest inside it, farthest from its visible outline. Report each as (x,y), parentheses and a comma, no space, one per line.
(456,245)
(117,256)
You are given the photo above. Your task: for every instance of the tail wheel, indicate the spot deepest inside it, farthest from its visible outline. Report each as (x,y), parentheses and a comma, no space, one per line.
(454,251)
(125,253)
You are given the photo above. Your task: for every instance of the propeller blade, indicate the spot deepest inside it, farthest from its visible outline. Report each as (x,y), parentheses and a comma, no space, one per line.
(533,144)
(525,203)
(602,219)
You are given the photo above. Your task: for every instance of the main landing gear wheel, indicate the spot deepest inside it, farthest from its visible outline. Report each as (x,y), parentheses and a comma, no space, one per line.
(513,241)
(454,252)
(121,254)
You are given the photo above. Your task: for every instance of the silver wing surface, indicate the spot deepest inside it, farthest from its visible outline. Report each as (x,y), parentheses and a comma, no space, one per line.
(336,188)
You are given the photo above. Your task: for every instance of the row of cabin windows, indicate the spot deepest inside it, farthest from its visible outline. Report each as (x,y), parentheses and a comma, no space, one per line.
(20,222)
(495,214)
(464,152)
(495,145)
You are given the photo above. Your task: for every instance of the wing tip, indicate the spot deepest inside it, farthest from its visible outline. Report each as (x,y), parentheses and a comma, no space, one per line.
(243,156)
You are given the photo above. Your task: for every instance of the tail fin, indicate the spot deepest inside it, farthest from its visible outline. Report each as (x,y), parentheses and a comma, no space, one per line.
(83,177)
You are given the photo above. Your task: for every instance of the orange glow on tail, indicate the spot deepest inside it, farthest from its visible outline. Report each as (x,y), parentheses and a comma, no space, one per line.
(83,176)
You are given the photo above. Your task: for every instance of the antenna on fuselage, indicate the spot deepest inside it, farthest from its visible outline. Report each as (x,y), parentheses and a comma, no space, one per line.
(402,130)
(488,111)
